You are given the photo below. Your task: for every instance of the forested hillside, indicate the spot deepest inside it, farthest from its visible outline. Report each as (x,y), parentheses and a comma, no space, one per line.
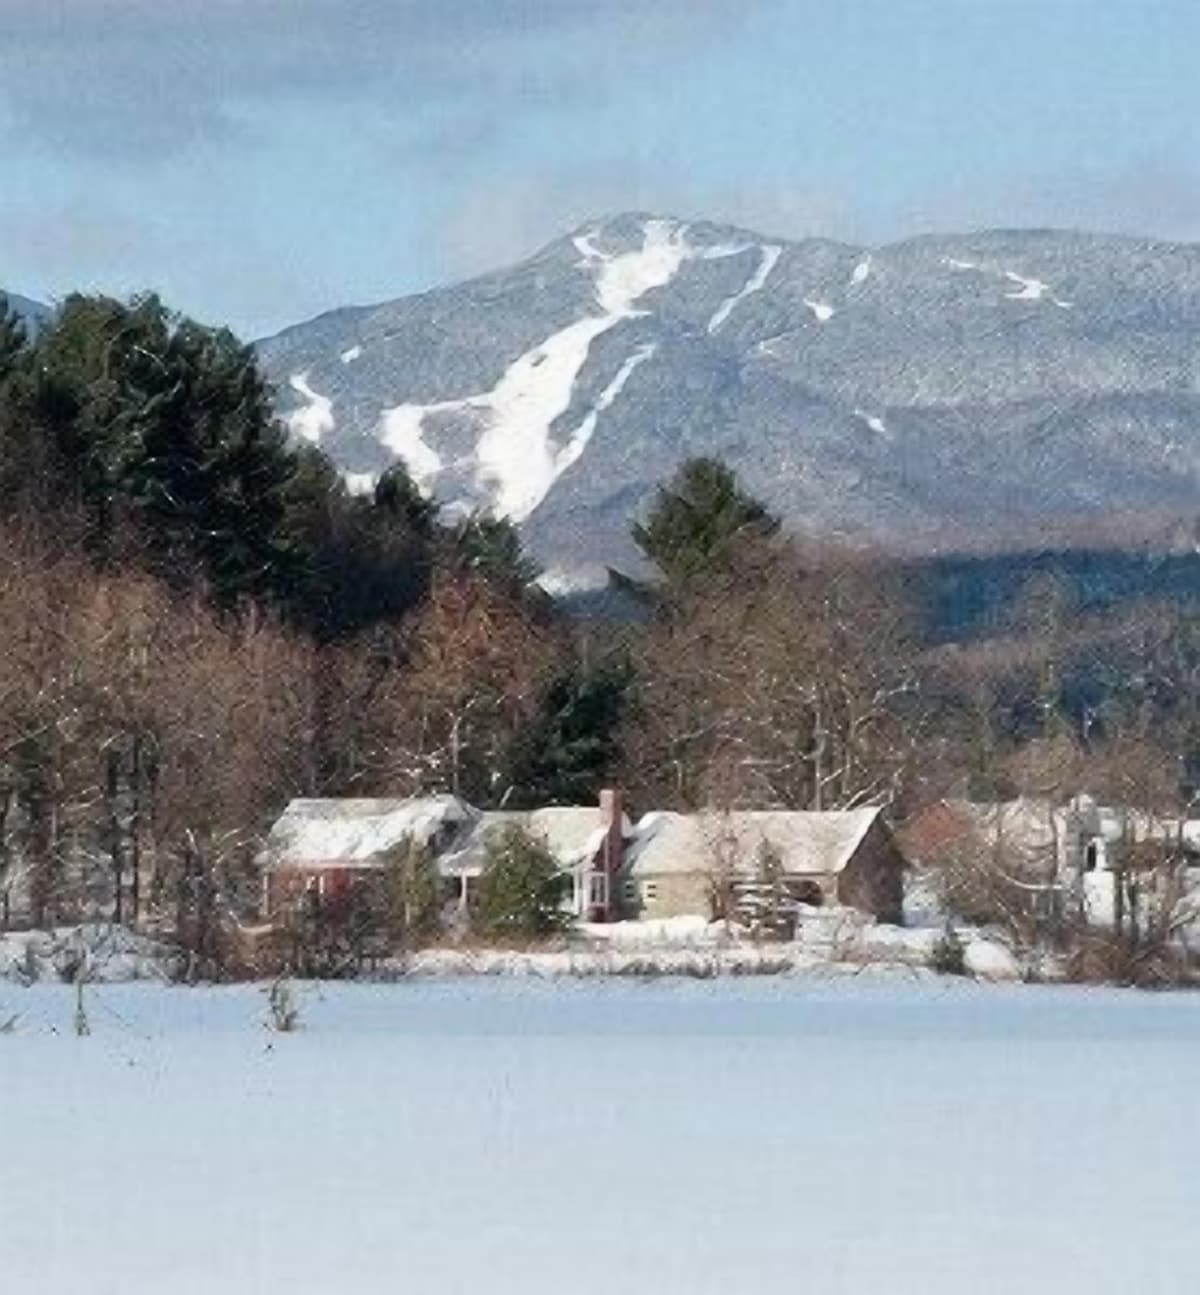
(199,621)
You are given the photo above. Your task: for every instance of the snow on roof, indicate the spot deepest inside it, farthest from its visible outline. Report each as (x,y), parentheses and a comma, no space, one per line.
(809,843)
(339,833)
(573,834)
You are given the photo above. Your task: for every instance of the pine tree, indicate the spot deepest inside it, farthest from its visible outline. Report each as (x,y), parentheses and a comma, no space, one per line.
(16,467)
(357,561)
(521,887)
(565,755)
(697,522)
(165,426)
(14,341)
(397,498)
(490,547)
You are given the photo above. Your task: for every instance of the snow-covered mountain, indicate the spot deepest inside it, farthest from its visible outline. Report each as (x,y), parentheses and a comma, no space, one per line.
(939,387)
(32,312)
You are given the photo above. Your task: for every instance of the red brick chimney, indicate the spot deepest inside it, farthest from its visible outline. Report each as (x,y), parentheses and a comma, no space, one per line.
(612,854)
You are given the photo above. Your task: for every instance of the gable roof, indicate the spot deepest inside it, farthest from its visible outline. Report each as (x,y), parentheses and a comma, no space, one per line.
(359,833)
(808,843)
(333,833)
(573,834)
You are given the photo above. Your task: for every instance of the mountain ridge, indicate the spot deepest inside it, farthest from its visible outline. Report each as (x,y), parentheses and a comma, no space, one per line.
(943,384)
(34,312)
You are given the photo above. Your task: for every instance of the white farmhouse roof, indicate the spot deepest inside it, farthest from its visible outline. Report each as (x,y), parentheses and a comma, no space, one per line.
(573,834)
(313,834)
(359,833)
(808,843)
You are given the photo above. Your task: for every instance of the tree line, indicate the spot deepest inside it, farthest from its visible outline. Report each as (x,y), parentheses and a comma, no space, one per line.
(198,621)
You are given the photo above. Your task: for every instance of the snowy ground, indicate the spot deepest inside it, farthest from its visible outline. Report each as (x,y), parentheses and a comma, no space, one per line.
(508,1135)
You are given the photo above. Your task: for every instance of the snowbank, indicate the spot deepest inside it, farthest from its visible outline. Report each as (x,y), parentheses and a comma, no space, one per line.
(829,941)
(663,932)
(104,953)
(990,960)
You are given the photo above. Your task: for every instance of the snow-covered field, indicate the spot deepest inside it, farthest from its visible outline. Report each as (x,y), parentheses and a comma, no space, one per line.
(571,1137)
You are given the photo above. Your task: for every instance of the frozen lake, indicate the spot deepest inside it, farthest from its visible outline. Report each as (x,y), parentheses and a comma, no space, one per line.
(505,1136)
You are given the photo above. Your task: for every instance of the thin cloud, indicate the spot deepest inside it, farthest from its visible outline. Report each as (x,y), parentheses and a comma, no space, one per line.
(146,79)
(1143,197)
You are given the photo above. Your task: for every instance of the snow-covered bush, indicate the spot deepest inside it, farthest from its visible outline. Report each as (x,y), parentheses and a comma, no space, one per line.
(283,1011)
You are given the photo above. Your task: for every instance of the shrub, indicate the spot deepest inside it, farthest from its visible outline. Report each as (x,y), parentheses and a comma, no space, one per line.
(412,894)
(283,1012)
(81,1023)
(1108,958)
(521,887)
(948,956)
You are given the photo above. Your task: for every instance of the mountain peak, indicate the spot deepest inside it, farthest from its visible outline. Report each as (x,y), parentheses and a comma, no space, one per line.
(931,388)
(32,312)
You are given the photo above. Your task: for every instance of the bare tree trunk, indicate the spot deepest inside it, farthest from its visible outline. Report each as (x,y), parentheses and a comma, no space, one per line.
(6,799)
(135,834)
(818,758)
(455,755)
(112,788)
(42,849)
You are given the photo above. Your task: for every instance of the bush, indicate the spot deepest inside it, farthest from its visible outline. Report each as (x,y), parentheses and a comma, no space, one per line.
(521,888)
(948,957)
(1107,958)
(283,1012)
(412,895)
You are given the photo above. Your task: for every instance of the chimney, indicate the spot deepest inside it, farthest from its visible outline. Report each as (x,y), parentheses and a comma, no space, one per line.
(610,806)
(612,853)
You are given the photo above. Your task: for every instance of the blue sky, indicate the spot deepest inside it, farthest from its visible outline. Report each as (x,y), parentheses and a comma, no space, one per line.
(258,161)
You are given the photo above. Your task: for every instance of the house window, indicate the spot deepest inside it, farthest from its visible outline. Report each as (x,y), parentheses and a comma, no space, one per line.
(1091,856)
(649,891)
(314,893)
(598,890)
(629,891)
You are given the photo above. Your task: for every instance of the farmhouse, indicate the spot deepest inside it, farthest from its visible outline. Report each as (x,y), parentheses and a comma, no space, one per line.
(668,865)
(677,864)
(324,848)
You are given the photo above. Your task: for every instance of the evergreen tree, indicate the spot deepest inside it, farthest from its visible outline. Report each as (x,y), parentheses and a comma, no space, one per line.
(565,755)
(521,888)
(490,547)
(698,522)
(14,341)
(397,498)
(357,561)
(16,469)
(165,427)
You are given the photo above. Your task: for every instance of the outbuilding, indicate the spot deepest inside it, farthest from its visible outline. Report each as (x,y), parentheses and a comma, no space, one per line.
(679,864)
